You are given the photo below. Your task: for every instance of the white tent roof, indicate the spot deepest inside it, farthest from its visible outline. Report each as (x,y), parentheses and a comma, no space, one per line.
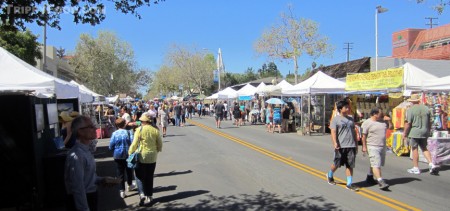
(213,96)
(17,75)
(260,88)
(228,93)
(317,84)
(436,84)
(86,95)
(284,85)
(247,90)
(112,99)
(414,76)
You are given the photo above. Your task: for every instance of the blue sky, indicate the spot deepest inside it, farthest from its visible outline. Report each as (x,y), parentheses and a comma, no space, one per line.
(235,25)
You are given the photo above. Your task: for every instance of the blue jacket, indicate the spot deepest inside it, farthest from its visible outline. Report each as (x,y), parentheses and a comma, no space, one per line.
(120,142)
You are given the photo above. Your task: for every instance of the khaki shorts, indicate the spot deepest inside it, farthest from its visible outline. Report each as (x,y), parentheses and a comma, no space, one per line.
(377,156)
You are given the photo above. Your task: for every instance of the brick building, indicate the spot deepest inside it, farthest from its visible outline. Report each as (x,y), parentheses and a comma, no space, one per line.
(433,44)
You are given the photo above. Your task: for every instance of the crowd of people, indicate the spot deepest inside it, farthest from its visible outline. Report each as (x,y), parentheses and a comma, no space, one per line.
(141,127)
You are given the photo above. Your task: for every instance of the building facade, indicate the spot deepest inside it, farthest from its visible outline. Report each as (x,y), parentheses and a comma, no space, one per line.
(55,66)
(433,44)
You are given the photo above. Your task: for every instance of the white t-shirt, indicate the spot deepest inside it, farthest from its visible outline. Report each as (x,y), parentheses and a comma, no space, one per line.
(127,117)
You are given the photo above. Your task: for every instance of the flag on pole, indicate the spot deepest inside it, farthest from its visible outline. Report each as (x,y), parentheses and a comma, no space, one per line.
(220,66)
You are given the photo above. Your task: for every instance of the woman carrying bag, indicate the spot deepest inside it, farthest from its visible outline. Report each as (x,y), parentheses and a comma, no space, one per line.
(148,139)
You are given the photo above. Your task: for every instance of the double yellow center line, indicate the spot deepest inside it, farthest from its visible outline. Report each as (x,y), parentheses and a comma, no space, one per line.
(397,205)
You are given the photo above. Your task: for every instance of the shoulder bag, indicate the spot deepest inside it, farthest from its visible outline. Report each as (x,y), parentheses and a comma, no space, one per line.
(133,159)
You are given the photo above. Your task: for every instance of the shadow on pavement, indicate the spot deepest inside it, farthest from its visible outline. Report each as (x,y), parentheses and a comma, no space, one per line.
(403,180)
(173,173)
(163,189)
(168,135)
(261,201)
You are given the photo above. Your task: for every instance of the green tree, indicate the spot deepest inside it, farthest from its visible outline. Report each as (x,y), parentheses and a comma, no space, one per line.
(17,13)
(270,70)
(107,64)
(250,75)
(22,44)
(291,39)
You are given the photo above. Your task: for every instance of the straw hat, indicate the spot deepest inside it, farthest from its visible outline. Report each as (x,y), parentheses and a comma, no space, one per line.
(74,114)
(414,98)
(145,117)
(65,116)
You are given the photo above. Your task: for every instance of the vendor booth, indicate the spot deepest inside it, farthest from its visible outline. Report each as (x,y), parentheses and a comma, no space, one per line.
(30,97)
(316,103)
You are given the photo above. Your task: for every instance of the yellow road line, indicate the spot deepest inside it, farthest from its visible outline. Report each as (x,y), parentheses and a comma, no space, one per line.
(394,204)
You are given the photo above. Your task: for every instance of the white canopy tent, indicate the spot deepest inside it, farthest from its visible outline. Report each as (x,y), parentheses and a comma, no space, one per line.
(260,88)
(319,83)
(436,84)
(228,93)
(112,99)
(213,96)
(413,77)
(17,75)
(247,90)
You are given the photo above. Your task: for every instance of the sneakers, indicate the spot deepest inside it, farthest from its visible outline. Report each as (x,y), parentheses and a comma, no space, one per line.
(122,194)
(330,180)
(142,199)
(413,170)
(433,169)
(370,180)
(148,199)
(131,187)
(383,185)
(352,187)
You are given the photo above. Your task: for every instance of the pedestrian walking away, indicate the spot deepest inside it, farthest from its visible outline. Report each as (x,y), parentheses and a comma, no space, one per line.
(417,130)
(120,143)
(148,140)
(344,142)
(374,143)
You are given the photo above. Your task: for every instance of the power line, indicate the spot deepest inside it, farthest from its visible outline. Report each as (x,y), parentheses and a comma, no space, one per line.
(431,24)
(348,49)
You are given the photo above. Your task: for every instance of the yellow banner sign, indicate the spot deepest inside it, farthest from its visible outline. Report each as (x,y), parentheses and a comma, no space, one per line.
(379,80)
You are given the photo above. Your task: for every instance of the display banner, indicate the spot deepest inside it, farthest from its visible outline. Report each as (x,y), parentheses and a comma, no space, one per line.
(379,80)
(216,76)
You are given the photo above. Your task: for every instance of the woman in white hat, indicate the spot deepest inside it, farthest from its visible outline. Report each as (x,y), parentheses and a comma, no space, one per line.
(147,141)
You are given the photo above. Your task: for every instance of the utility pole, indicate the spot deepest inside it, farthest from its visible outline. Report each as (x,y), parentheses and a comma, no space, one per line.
(431,24)
(348,49)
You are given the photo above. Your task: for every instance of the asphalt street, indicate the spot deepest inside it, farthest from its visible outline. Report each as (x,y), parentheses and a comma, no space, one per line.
(202,167)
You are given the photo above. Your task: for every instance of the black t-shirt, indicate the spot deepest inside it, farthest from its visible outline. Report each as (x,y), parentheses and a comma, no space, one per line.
(138,114)
(177,110)
(219,108)
(286,113)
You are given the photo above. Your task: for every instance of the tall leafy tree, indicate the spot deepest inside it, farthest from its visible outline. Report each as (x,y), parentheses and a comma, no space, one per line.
(195,66)
(17,13)
(22,44)
(291,39)
(107,64)
(270,70)
(439,6)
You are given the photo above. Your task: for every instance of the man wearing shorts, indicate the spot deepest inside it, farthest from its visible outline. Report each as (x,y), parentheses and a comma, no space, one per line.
(343,136)
(417,129)
(219,110)
(374,142)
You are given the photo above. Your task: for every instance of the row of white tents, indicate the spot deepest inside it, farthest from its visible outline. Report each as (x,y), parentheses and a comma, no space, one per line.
(18,76)
(414,79)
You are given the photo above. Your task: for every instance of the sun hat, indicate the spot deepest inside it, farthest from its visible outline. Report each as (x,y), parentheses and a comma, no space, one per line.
(74,114)
(414,98)
(145,117)
(65,116)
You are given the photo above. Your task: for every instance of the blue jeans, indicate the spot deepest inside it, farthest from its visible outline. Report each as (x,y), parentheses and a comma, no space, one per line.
(144,178)
(177,119)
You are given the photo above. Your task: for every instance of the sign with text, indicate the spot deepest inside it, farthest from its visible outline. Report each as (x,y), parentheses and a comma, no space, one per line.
(379,80)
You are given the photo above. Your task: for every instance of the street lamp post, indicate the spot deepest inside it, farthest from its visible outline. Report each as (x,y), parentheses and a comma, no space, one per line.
(378,9)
